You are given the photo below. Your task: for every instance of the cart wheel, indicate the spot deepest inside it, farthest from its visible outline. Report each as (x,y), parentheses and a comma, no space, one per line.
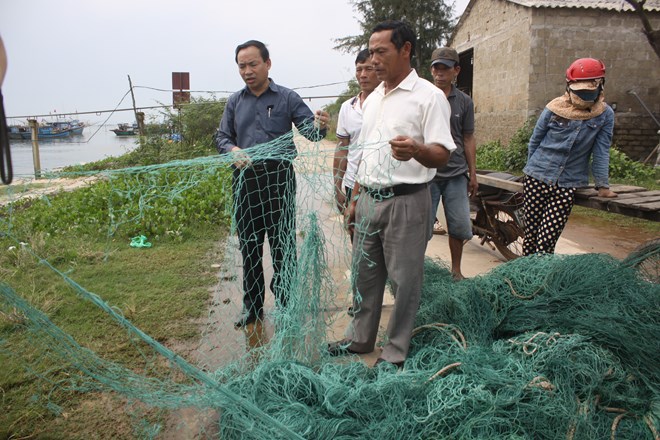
(510,234)
(646,259)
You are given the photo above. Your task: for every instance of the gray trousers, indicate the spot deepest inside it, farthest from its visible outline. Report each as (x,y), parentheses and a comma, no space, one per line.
(390,240)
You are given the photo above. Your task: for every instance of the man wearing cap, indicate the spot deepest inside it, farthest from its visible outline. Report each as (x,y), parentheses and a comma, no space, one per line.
(456,181)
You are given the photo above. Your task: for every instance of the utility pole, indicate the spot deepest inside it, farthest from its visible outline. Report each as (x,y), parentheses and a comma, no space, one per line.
(139,116)
(34,125)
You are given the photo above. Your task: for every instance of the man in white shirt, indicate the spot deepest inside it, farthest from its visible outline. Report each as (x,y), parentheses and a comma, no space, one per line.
(405,136)
(349,124)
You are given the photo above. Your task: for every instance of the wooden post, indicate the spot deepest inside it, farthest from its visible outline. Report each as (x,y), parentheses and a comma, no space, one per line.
(34,125)
(140,122)
(138,119)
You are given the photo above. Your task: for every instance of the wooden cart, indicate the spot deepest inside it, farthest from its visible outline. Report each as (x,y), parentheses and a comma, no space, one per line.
(633,201)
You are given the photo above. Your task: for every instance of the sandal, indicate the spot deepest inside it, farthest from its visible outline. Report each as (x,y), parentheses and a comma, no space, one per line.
(340,348)
(438,229)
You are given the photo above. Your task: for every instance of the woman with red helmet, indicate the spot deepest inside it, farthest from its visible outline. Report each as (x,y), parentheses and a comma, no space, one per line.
(572,129)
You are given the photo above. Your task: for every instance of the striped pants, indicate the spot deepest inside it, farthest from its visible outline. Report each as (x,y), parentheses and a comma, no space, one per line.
(546,208)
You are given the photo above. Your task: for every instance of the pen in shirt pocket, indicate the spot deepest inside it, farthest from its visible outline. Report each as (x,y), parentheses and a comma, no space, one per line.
(269,108)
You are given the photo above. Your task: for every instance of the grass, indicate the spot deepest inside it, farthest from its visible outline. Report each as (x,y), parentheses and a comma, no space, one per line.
(164,290)
(596,218)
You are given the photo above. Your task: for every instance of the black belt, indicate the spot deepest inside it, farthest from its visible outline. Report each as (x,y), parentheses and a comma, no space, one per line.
(393,191)
(268,165)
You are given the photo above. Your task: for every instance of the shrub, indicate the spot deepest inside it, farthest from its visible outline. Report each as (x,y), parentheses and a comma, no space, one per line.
(623,168)
(156,204)
(494,156)
(491,156)
(516,153)
(198,121)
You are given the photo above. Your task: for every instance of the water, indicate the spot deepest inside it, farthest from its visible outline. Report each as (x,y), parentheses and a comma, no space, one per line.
(91,146)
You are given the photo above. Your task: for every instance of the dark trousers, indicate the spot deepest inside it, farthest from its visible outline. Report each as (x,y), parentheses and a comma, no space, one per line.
(264,204)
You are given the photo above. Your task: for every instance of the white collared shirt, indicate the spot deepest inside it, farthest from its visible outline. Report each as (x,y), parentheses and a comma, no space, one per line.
(349,125)
(415,108)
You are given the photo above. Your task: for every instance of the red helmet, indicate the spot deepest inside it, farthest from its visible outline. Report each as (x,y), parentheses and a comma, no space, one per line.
(584,69)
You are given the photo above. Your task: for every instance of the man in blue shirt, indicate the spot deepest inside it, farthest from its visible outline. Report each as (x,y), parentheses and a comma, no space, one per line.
(264,183)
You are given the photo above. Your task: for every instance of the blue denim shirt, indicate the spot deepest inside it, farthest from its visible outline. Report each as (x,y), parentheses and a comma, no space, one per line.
(560,149)
(250,120)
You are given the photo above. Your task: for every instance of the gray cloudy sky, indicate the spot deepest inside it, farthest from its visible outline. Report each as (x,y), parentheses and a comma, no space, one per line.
(75,55)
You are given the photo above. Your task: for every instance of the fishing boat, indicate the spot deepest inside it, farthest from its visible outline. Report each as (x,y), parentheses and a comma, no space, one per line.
(16,131)
(125,130)
(53,130)
(74,127)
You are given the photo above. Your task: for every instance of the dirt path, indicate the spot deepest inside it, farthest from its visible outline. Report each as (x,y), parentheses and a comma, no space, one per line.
(580,236)
(599,236)
(222,343)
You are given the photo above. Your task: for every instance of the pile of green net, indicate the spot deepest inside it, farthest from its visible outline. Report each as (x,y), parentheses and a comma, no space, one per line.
(548,347)
(543,347)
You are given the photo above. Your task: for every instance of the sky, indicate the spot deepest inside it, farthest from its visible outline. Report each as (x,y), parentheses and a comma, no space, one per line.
(75,55)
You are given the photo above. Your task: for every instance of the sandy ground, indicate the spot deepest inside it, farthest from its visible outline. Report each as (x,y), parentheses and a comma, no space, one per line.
(21,189)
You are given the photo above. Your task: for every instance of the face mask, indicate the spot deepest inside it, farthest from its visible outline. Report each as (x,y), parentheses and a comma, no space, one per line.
(587,95)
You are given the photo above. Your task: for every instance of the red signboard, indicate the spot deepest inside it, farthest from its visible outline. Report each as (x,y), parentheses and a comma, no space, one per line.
(180,88)
(180,81)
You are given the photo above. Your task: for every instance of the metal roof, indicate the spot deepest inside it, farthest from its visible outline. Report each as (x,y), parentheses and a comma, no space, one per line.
(611,5)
